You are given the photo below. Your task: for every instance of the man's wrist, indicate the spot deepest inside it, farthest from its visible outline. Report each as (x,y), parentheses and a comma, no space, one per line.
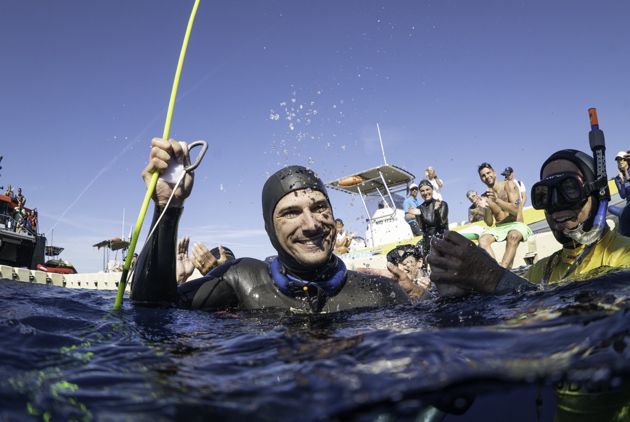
(510,282)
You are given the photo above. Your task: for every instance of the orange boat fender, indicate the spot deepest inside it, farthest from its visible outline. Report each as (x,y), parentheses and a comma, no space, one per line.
(350,181)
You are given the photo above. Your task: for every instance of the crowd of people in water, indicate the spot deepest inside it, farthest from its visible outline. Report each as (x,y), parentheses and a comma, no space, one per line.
(18,218)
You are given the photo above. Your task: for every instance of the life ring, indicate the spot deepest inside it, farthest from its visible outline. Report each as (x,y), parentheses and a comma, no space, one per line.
(350,181)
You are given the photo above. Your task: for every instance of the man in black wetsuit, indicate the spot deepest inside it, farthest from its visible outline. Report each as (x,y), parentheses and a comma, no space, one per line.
(305,277)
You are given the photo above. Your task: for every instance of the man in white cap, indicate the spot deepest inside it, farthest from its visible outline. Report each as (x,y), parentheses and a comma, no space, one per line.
(411,206)
(622,180)
(508,173)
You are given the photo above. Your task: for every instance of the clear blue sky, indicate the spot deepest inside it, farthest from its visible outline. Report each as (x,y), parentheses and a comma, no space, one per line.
(85,86)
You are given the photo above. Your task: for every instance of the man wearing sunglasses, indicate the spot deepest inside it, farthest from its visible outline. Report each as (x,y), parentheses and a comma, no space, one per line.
(568,192)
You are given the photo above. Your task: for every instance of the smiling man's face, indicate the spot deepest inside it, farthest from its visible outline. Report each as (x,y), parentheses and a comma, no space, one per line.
(305,227)
(570,218)
(488,176)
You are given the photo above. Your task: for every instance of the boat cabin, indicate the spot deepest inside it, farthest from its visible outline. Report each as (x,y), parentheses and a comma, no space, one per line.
(387,185)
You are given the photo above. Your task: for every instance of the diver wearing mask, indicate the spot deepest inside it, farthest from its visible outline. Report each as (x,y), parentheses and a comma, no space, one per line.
(568,192)
(305,276)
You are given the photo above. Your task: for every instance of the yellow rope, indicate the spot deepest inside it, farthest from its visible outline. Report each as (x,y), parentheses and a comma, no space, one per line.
(154,177)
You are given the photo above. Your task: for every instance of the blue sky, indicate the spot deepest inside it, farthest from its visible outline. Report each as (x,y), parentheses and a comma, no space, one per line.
(85,86)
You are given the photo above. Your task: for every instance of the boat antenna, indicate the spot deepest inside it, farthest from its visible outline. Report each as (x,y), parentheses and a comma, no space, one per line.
(381,141)
(154,177)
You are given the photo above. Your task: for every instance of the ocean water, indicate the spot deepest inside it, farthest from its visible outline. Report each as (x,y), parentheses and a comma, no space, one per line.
(65,355)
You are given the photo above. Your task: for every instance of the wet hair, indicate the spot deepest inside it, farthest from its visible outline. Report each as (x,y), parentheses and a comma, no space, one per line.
(228,253)
(339,220)
(424,182)
(402,252)
(484,165)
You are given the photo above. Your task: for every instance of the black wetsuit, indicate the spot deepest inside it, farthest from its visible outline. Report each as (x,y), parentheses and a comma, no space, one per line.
(245,283)
(433,222)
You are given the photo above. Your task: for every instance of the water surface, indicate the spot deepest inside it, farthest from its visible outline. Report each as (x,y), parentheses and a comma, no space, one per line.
(66,355)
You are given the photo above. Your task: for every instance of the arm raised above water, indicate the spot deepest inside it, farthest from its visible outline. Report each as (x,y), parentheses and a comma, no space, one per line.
(154,280)
(459,266)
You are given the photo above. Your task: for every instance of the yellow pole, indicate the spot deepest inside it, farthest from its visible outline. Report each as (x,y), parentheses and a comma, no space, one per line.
(154,177)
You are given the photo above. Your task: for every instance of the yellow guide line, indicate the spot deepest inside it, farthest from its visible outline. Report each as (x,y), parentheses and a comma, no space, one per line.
(154,177)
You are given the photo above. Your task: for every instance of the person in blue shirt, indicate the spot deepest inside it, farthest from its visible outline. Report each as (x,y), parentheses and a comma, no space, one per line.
(411,206)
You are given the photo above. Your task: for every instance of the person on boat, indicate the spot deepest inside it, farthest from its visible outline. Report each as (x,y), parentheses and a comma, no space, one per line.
(304,277)
(204,259)
(411,206)
(20,199)
(476,211)
(508,174)
(436,182)
(622,181)
(504,209)
(9,193)
(343,239)
(568,193)
(433,215)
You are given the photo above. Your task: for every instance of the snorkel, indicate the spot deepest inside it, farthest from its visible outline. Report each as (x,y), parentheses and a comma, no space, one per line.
(598,146)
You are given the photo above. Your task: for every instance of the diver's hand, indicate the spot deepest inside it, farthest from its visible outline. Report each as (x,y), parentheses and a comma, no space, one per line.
(459,266)
(413,290)
(162,151)
(184,266)
(203,259)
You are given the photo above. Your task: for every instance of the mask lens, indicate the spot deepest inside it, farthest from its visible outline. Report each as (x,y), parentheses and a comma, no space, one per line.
(562,191)
(540,196)
(571,190)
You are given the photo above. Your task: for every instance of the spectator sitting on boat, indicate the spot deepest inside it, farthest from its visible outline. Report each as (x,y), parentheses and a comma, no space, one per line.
(203,259)
(410,206)
(304,277)
(508,174)
(569,195)
(477,211)
(504,209)
(343,239)
(436,182)
(20,199)
(433,216)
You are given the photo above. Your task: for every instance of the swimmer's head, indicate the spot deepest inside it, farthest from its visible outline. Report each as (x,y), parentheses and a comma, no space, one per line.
(566,193)
(228,253)
(298,218)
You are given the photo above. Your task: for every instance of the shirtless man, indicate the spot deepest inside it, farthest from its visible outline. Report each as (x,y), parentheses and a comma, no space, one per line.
(503,200)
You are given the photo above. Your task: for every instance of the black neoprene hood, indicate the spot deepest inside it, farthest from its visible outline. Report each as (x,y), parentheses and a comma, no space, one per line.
(582,160)
(286,180)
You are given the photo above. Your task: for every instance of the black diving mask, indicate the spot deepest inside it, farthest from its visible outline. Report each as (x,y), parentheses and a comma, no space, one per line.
(562,191)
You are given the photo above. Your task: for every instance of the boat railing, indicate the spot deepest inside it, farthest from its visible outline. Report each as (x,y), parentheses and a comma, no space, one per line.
(10,224)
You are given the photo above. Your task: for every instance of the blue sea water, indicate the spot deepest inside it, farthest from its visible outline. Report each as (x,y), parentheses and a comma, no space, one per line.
(65,355)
